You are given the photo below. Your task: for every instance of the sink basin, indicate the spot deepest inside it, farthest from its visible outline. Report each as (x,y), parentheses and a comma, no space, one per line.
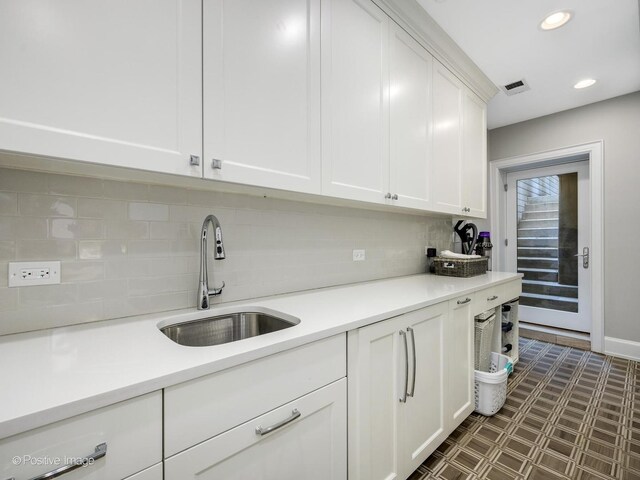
(226,328)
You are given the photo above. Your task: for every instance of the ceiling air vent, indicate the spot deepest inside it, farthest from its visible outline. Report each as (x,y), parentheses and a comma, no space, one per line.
(514,88)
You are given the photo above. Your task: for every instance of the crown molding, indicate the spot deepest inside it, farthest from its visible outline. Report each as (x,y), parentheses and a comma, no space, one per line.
(417,22)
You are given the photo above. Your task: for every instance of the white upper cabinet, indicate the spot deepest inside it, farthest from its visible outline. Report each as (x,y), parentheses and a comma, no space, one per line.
(355,100)
(114,82)
(459,178)
(410,123)
(447,141)
(474,155)
(262,92)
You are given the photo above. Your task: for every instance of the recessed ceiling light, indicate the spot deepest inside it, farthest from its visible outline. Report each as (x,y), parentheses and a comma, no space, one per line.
(587,82)
(555,20)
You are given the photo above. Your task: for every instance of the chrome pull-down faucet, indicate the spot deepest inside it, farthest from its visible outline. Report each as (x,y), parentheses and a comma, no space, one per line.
(203,285)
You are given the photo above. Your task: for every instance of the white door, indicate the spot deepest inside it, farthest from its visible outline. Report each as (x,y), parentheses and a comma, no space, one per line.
(459,362)
(410,122)
(377,363)
(421,420)
(474,155)
(447,141)
(262,92)
(309,440)
(110,82)
(355,100)
(548,231)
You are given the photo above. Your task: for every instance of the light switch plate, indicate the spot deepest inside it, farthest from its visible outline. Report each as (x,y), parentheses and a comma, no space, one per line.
(25,274)
(359,255)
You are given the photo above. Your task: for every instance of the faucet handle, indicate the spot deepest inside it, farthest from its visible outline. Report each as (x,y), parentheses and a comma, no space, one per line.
(217,291)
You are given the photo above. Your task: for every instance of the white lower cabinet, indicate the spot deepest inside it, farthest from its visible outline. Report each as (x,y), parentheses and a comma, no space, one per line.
(151,473)
(396,393)
(459,362)
(129,434)
(307,440)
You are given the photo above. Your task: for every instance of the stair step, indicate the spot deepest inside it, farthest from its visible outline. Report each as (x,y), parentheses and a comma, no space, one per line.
(539,215)
(533,251)
(536,207)
(531,241)
(538,262)
(544,274)
(549,301)
(541,232)
(538,222)
(549,288)
(542,199)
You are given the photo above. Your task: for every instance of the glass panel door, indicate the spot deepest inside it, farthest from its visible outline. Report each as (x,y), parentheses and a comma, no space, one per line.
(548,222)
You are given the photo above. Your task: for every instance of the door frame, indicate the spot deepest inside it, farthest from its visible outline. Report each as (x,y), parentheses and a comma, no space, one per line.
(592,152)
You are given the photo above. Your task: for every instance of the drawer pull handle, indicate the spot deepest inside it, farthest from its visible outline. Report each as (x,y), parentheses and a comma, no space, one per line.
(264,431)
(462,302)
(100,451)
(492,298)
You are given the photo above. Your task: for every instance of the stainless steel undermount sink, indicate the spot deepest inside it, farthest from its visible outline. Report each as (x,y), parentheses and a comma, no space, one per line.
(225,328)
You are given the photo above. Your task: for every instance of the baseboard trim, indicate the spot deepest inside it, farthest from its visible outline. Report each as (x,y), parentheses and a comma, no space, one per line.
(622,348)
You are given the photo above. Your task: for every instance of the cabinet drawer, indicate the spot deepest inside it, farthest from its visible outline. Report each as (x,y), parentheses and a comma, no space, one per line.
(151,473)
(511,291)
(311,443)
(488,298)
(132,431)
(205,407)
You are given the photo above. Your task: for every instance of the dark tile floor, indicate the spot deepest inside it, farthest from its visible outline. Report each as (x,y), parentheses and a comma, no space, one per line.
(570,414)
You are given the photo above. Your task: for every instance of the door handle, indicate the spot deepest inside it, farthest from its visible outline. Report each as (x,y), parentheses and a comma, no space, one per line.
(413,347)
(585,257)
(403,399)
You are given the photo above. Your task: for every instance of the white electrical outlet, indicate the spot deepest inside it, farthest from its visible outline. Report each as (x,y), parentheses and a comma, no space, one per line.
(24,274)
(359,255)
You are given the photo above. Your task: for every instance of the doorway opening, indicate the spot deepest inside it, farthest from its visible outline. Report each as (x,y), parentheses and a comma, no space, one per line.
(548,228)
(546,212)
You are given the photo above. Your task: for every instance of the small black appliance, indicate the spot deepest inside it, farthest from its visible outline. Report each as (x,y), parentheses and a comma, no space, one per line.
(468,234)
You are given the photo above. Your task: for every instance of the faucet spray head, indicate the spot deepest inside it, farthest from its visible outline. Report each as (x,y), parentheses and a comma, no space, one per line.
(219,249)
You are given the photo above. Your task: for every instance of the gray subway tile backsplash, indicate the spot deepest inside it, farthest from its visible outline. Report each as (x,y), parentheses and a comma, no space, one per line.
(131,248)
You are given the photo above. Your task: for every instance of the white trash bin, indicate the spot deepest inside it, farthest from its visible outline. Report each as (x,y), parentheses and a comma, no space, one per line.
(491,386)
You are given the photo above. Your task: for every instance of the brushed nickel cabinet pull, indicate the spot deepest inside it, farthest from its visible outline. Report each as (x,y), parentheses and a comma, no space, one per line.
(100,451)
(413,346)
(264,431)
(403,399)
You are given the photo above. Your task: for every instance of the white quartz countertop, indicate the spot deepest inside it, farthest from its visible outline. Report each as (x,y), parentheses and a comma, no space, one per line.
(55,374)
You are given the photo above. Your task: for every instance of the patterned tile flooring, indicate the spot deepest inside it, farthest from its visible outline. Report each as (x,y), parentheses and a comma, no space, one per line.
(570,414)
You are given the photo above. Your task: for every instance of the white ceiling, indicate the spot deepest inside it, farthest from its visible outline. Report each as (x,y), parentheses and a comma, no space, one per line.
(602,41)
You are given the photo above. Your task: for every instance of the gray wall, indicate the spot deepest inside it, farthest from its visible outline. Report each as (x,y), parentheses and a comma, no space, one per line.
(133,248)
(617,123)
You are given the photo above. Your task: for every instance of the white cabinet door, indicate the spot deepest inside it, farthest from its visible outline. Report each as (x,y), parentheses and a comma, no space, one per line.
(474,154)
(312,446)
(355,100)
(447,141)
(376,374)
(410,122)
(110,82)
(459,362)
(262,92)
(394,422)
(421,422)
